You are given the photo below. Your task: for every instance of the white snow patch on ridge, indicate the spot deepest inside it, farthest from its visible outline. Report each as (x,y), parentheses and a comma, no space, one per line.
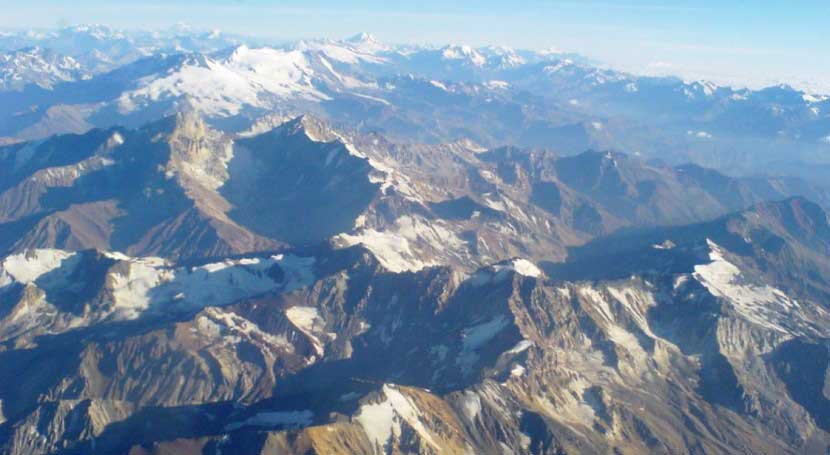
(477,336)
(382,421)
(439,84)
(307,320)
(496,84)
(520,347)
(230,327)
(499,272)
(471,404)
(404,246)
(526,268)
(763,305)
(463,52)
(29,266)
(143,284)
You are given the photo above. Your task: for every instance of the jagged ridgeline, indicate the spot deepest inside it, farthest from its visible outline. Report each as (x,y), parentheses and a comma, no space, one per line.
(176,288)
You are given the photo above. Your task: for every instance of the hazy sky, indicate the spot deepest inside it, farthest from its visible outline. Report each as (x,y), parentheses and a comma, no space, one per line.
(754,42)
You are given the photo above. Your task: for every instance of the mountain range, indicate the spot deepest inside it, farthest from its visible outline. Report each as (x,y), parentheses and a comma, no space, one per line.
(210,245)
(494,96)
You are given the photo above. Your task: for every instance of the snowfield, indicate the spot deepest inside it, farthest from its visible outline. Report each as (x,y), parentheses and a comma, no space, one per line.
(135,286)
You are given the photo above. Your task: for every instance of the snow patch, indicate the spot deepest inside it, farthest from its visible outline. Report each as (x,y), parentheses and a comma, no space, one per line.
(517,370)
(307,320)
(29,266)
(471,404)
(382,421)
(405,245)
(666,245)
(464,53)
(499,272)
(228,326)
(145,284)
(520,347)
(477,336)
(439,85)
(762,305)
(494,84)
(526,268)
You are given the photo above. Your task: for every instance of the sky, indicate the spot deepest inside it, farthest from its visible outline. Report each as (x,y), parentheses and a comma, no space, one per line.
(752,43)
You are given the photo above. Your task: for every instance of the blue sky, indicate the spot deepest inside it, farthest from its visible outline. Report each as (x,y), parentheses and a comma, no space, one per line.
(752,42)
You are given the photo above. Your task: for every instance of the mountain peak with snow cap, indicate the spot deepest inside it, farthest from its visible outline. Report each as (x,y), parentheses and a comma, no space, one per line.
(463,52)
(362,37)
(366,42)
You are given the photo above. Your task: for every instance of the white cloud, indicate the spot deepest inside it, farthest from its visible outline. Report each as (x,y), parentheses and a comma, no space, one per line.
(699,134)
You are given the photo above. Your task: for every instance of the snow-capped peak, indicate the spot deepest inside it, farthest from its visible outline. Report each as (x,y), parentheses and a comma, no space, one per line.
(366,43)
(503,57)
(705,88)
(363,37)
(463,52)
(246,77)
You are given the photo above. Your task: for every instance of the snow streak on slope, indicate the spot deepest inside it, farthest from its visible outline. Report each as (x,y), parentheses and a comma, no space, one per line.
(135,286)
(382,421)
(308,321)
(763,305)
(403,247)
(474,338)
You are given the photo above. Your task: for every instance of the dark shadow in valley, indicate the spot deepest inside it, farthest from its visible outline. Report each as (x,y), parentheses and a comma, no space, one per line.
(288,187)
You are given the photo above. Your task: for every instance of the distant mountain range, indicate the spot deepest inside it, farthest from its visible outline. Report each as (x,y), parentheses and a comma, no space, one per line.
(493,96)
(210,246)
